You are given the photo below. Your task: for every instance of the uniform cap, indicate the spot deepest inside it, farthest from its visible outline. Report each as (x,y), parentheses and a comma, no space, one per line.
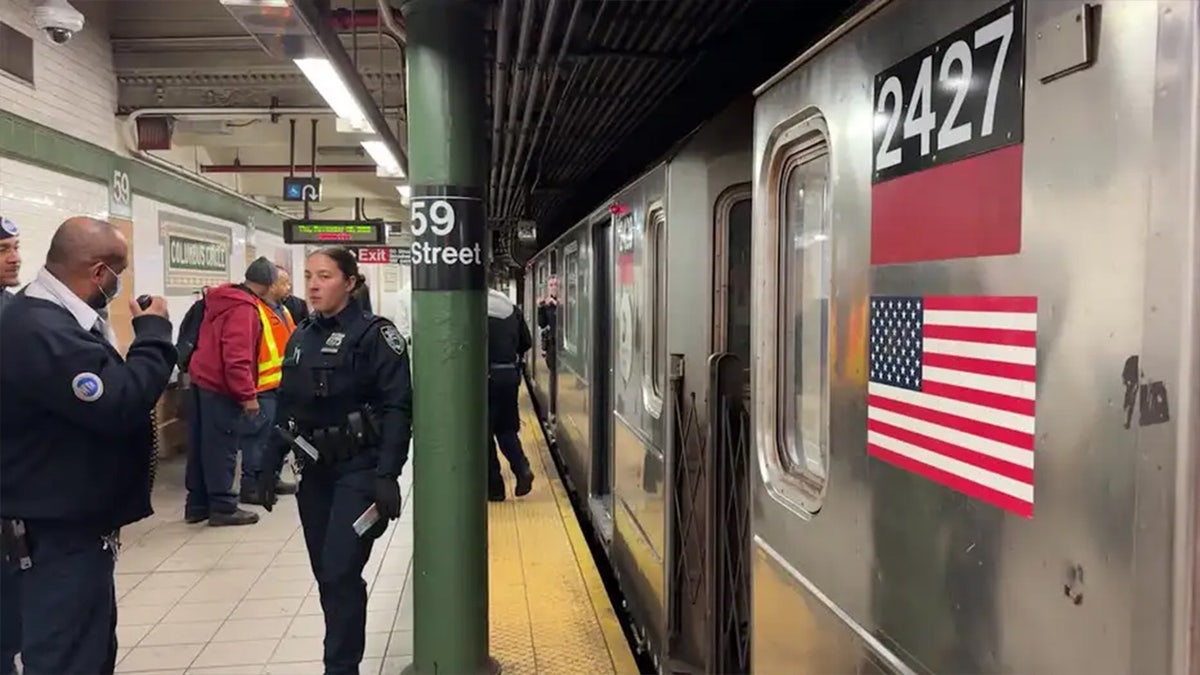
(8,229)
(262,271)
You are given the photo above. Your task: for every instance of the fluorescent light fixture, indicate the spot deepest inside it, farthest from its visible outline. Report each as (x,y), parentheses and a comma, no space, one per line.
(378,150)
(325,79)
(405,193)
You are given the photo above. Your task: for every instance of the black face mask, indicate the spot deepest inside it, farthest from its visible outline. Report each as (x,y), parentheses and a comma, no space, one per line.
(106,293)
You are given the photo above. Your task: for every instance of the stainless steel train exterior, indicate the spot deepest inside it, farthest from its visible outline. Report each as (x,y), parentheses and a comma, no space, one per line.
(703,382)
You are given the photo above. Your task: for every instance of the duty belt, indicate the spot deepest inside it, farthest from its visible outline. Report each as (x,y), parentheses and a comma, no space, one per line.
(14,542)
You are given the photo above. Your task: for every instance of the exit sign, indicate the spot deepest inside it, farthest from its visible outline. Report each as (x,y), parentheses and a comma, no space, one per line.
(372,254)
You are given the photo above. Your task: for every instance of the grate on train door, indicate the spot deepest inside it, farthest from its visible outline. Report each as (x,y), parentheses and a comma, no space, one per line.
(689,615)
(729,512)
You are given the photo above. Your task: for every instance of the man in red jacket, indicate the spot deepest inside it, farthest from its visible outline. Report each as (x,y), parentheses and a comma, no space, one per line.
(225,369)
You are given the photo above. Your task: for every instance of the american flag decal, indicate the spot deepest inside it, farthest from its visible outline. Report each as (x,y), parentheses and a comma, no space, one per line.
(951,393)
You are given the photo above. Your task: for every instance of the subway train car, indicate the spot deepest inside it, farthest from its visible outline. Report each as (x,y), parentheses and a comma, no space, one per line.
(895,368)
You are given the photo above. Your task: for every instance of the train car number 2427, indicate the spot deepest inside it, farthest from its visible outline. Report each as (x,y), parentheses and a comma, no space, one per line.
(959,97)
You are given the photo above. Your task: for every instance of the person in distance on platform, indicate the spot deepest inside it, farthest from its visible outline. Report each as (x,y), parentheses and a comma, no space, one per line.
(346,398)
(296,306)
(76,446)
(10,263)
(508,340)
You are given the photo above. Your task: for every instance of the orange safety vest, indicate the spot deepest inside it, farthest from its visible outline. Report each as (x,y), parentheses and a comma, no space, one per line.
(275,334)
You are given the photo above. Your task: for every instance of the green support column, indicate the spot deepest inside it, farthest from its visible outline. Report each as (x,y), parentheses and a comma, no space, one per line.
(448,157)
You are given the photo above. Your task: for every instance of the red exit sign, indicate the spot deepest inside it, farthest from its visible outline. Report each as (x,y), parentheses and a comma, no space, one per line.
(372,254)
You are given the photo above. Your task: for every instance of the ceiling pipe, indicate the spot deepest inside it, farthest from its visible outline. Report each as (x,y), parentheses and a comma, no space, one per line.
(341,20)
(499,92)
(528,9)
(286,168)
(535,85)
(552,90)
(310,14)
(393,21)
(129,135)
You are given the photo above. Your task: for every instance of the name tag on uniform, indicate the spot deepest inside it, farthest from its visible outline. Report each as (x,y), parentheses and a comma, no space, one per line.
(333,344)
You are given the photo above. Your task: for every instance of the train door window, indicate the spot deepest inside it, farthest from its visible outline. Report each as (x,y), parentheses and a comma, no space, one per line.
(799,218)
(732,316)
(570,318)
(654,321)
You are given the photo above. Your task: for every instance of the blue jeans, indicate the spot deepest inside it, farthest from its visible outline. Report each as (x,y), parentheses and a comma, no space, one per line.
(258,436)
(220,430)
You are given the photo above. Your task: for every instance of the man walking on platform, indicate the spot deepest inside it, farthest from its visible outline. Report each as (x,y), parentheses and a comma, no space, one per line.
(508,340)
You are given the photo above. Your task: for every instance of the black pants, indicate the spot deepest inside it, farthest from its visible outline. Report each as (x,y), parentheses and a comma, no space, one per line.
(331,498)
(65,605)
(504,425)
(220,429)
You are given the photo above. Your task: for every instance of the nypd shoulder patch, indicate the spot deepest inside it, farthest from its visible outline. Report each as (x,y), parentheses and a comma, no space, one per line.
(393,338)
(88,387)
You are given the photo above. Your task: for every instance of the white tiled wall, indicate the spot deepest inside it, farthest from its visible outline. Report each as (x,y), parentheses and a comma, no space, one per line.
(37,200)
(74,89)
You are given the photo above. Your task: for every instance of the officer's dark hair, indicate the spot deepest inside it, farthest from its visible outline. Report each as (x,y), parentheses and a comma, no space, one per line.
(346,263)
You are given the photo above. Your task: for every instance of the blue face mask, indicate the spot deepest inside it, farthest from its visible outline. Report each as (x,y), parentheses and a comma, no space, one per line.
(105,297)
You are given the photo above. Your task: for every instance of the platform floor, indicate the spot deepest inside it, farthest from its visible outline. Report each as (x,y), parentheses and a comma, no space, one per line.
(195,599)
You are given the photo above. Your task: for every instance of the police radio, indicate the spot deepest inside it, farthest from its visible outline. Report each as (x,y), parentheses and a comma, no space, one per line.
(144,301)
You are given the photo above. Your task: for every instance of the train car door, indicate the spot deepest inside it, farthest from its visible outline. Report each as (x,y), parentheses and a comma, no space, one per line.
(729,434)
(601,498)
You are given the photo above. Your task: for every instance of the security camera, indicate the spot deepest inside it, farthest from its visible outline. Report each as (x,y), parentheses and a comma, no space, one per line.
(58,19)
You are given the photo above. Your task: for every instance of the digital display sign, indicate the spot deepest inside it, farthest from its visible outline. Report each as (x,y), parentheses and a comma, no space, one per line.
(334,232)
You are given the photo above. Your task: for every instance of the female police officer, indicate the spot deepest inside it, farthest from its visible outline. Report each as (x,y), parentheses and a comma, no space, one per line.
(345,397)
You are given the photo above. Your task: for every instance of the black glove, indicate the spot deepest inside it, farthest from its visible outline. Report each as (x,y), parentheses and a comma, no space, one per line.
(264,489)
(387,497)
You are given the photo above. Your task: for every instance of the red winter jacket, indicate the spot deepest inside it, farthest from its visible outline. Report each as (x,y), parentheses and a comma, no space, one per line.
(226,356)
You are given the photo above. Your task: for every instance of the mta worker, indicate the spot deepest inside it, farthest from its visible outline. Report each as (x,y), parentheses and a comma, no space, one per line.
(238,358)
(508,340)
(76,446)
(346,393)
(10,262)
(10,617)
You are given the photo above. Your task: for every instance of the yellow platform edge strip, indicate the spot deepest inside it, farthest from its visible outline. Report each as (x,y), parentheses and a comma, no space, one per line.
(606,616)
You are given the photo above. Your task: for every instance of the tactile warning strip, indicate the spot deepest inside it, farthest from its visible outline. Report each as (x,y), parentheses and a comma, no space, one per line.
(548,609)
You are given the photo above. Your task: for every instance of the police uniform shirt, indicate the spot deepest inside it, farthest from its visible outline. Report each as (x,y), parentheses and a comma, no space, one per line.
(76,439)
(380,372)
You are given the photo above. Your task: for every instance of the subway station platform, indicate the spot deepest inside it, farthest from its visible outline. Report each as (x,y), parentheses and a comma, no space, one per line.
(234,600)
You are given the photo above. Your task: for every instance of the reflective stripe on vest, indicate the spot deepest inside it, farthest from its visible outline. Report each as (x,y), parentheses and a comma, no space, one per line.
(275,334)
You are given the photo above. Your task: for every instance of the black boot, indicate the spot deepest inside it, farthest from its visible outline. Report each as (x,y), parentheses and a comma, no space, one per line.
(524,482)
(496,492)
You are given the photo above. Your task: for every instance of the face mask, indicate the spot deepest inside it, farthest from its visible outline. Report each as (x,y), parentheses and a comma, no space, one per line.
(105,297)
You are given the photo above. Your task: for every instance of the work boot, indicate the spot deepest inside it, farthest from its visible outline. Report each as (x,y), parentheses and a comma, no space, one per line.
(283,487)
(247,494)
(235,517)
(193,518)
(524,483)
(496,493)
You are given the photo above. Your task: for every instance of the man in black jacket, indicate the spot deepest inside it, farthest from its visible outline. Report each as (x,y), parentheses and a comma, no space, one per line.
(295,306)
(76,445)
(508,340)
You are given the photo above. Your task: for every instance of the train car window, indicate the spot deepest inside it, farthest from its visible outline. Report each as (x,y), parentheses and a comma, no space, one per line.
(654,324)
(569,303)
(791,343)
(804,319)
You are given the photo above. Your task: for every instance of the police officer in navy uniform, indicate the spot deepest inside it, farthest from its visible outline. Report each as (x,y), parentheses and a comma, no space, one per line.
(76,446)
(10,607)
(346,397)
(10,270)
